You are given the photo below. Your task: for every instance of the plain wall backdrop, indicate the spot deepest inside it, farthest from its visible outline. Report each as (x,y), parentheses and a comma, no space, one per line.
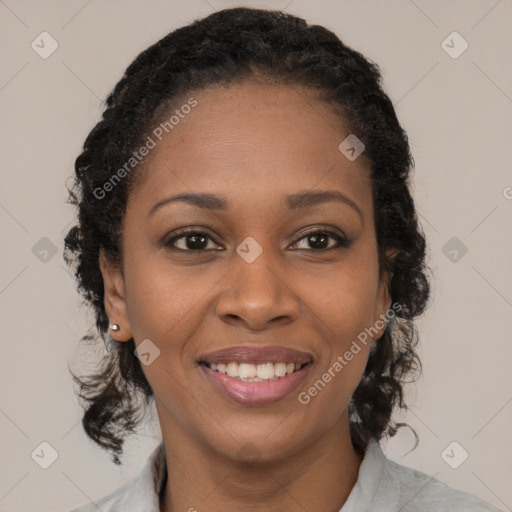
(455,104)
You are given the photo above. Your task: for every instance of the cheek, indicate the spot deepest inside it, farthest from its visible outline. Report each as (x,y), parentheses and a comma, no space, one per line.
(157,300)
(345,303)
(165,307)
(345,299)
(344,308)
(167,304)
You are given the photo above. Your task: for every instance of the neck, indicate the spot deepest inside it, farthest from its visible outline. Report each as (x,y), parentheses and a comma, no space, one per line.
(318,477)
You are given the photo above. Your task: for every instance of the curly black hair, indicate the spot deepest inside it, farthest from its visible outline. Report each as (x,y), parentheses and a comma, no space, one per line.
(231,46)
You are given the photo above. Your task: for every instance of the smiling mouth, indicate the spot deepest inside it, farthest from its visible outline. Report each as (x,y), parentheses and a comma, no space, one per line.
(247,372)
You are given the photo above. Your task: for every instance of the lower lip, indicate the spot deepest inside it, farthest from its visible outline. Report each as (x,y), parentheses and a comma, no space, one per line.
(256,393)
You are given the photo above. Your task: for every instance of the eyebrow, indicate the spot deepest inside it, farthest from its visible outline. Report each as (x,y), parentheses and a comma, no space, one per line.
(297,201)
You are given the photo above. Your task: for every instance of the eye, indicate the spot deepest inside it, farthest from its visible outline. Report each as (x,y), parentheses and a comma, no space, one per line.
(319,240)
(196,241)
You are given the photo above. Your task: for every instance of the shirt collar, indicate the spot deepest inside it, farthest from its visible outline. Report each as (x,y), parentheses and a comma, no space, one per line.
(374,487)
(372,484)
(143,493)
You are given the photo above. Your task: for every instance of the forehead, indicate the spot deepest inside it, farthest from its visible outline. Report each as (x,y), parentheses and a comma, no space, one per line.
(252,137)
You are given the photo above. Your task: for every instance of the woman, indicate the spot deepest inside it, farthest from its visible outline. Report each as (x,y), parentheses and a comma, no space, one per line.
(247,239)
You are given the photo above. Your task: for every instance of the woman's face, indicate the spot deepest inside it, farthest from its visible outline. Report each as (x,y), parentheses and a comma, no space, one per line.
(260,281)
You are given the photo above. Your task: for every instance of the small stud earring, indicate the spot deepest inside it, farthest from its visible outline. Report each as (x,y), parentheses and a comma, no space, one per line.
(114,327)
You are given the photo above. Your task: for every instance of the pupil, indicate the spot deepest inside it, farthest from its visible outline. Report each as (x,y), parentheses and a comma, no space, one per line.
(194,239)
(314,241)
(198,241)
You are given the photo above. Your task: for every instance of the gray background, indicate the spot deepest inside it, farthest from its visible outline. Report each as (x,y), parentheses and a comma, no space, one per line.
(457,112)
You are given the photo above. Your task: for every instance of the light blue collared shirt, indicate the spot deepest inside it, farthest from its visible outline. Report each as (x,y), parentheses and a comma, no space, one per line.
(382,486)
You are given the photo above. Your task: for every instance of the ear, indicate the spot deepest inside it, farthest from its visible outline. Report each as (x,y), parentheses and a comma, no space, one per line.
(383,298)
(114,298)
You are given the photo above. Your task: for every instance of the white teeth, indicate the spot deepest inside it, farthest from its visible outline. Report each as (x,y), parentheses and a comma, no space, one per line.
(255,372)
(280,369)
(246,371)
(265,371)
(232,370)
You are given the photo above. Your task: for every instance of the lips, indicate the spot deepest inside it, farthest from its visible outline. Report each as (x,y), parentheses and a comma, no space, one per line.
(289,369)
(256,355)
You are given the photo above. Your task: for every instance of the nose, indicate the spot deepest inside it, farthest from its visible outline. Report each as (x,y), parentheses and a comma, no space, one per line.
(258,294)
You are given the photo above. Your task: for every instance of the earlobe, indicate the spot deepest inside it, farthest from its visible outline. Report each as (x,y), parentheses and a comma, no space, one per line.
(114,298)
(391,255)
(382,305)
(383,299)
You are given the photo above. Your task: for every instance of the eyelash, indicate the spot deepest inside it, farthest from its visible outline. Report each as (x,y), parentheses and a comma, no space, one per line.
(342,242)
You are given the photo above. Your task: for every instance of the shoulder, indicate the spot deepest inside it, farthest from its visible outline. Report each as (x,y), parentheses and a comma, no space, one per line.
(141,494)
(109,503)
(387,486)
(419,492)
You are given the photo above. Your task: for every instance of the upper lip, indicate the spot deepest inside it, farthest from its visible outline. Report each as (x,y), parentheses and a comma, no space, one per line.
(256,355)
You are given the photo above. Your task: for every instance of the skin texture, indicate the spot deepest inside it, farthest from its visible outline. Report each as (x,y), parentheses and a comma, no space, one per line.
(252,144)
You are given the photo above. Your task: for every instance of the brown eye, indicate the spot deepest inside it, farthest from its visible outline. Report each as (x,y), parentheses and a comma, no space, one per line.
(319,240)
(195,241)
